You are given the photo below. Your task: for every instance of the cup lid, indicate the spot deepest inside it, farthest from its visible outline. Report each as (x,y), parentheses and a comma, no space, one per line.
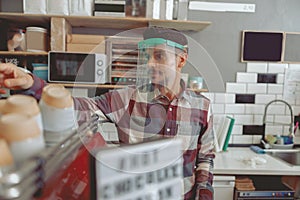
(18,127)
(19,103)
(57,96)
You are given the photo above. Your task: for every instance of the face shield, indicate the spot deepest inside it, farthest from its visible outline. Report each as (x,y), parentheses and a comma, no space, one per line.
(157,65)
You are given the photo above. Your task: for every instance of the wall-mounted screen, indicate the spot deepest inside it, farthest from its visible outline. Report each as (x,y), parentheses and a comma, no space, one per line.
(262,46)
(292,47)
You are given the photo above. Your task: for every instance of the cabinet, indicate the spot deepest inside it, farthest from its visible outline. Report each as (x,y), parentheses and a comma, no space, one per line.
(59,26)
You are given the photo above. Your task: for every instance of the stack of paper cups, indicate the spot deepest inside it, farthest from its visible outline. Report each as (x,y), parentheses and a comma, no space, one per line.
(6,158)
(22,104)
(58,113)
(22,134)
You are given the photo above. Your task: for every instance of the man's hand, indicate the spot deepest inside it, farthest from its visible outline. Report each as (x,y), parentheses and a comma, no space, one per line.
(14,78)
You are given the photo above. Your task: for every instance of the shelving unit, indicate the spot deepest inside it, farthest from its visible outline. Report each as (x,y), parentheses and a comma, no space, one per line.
(23,53)
(59,26)
(106,22)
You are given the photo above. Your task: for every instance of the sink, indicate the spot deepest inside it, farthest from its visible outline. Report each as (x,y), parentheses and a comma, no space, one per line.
(292,157)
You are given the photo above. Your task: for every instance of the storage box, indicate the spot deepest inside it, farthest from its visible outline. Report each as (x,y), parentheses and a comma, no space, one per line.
(85,39)
(85,48)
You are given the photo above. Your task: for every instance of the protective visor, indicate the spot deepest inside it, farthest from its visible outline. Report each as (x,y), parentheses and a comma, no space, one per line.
(158,63)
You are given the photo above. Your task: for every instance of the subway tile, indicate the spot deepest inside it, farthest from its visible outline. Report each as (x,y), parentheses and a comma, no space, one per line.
(235,87)
(242,139)
(277,67)
(242,77)
(234,108)
(264,98)
(297,102)
(285,119)
(209,95)
(275,89)
(218,108)
(254,109)
(266,78)
(217,117)
(243,119)
(270,118)
(253,130)
(256,139)
(258,119)
(237,129)
(256,88)
(257,67)
(292,102)
(294,66)
(224,98)
(273,129)
(275,109)
(296,110)
(280,78)
(245,98)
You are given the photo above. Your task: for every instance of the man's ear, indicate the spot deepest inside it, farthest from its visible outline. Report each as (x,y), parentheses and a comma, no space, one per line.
(182,59)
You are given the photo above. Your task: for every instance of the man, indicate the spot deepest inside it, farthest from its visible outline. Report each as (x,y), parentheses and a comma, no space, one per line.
(158,106)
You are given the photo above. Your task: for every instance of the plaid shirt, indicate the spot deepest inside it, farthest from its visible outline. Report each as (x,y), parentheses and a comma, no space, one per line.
(139,116)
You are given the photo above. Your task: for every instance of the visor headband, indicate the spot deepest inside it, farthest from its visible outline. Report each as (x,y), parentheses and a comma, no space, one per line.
(157,41)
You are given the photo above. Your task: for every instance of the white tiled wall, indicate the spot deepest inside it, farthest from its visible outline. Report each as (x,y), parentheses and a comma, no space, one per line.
(278,115)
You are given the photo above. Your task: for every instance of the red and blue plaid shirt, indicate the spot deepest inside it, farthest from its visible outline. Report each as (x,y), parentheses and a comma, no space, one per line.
(140,116)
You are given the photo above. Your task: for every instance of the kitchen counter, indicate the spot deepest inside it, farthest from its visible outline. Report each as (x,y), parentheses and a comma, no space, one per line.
(237,161)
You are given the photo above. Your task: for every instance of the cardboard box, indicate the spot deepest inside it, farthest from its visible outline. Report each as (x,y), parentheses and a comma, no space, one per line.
(85,39)
(60,28)
(85,48)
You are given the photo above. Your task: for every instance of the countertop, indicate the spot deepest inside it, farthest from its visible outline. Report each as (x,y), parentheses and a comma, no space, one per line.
(243,161)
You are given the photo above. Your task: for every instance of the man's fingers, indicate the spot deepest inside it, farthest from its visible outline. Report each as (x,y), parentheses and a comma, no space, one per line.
(15,82)
(6,68)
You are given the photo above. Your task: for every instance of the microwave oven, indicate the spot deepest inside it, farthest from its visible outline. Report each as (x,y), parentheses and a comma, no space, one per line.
(87,68)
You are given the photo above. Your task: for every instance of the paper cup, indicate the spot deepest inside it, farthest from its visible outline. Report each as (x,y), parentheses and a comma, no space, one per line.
(57,109)
(6,158)
(23,104)
(57,96)
(23,135)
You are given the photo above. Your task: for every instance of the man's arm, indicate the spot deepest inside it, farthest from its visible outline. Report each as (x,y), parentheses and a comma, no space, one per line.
(204,165)
(35,90)
(20,81)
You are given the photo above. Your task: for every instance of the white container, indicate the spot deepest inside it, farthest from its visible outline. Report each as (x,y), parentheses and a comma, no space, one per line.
(81,7)
(58,114)
(36,39)
(35,6)
(223,187)
(59,7)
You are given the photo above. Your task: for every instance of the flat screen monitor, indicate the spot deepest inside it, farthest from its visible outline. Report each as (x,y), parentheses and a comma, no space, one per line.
(292,47)
(262,46)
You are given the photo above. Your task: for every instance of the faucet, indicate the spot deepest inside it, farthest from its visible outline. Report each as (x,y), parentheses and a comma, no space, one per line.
(291,129)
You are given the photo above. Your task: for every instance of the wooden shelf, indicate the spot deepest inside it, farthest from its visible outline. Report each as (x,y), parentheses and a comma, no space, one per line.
(23,53)
(78,85)
(106,22)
